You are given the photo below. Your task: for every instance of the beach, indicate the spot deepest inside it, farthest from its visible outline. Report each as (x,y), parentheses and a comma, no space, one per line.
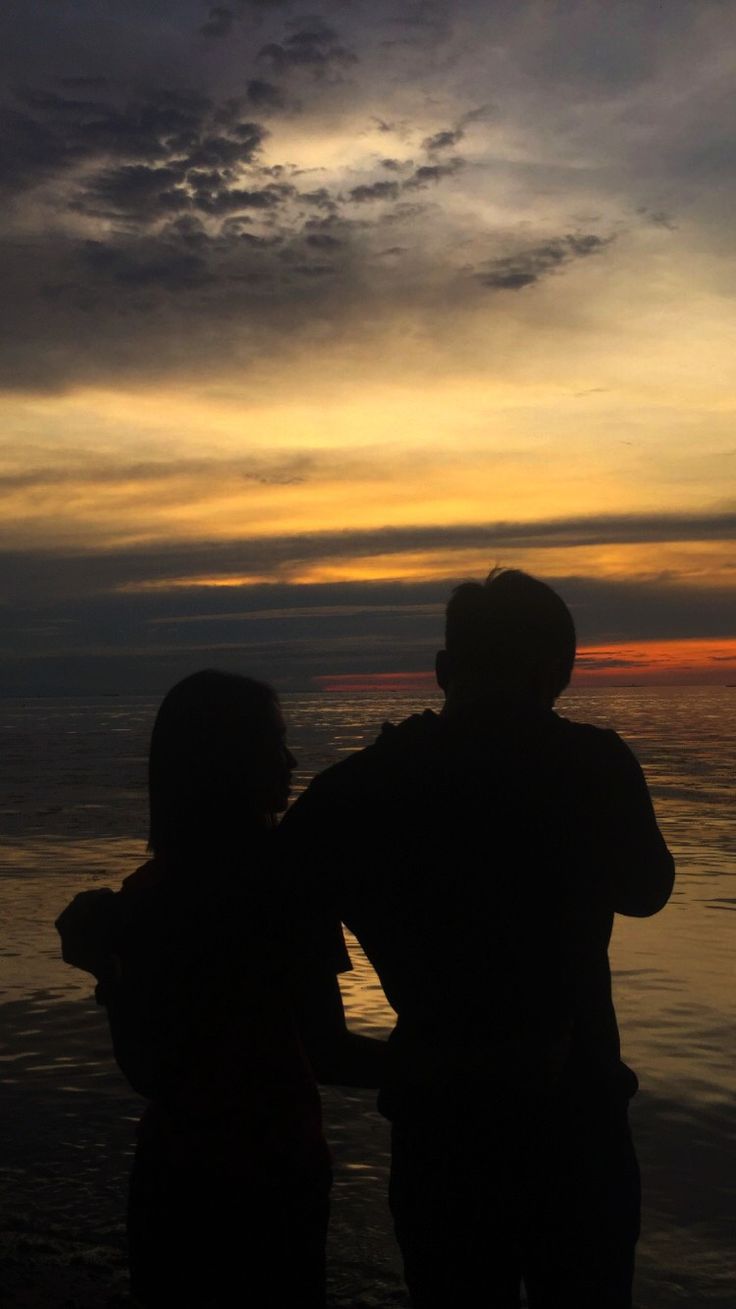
(69,1117)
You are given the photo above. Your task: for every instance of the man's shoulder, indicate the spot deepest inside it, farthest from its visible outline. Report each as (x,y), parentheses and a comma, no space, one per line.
(396,747)
(595,750)
(585,735)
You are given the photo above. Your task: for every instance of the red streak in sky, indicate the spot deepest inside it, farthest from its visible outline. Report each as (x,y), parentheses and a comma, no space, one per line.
(652,662)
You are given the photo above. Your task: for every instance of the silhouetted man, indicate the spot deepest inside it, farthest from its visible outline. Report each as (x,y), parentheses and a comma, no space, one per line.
(479,856)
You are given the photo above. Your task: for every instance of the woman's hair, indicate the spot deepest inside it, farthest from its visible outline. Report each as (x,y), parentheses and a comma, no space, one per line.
(207,749)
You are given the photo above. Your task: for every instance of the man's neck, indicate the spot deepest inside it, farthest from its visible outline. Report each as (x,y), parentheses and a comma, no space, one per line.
(463,702)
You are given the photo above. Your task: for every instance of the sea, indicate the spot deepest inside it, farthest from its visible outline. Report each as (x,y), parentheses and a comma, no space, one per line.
(73,816)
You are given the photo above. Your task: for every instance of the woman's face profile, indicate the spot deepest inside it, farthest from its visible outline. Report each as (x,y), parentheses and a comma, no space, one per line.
(275,764)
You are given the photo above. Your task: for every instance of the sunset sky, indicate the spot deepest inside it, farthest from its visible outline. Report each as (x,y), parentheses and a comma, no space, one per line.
(311,311)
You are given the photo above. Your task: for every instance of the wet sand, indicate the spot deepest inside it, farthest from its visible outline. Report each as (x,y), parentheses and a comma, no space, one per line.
(69,1120)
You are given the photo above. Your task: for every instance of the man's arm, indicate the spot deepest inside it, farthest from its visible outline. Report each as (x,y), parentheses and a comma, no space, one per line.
(630,846)
(310,845)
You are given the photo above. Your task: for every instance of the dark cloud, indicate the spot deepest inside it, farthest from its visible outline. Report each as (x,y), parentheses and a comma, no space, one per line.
(78,308)
(404,212)
(89,572)
(199,178)
(444,140)
(188,149)
(105,305)
(29,150)
(478,115)
(375,191)
(430,174)
(142,190)
(221,19)
(321,198)
(133,130)
(316,48)
(514,272)
(218,199)
(658,218)
(219,23)
(429,21)
(227,151)
(52,133)
(314,270)
(324,241)
(146,264)
(264,95)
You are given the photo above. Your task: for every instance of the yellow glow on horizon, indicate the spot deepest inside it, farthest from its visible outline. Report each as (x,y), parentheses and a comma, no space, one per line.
(201,465)
(220,581)
(417,430)
(696,562)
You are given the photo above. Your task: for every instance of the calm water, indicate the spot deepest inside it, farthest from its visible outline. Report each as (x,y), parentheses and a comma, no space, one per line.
(73,815)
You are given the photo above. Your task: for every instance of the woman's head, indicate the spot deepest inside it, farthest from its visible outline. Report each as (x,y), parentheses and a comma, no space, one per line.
(218,764)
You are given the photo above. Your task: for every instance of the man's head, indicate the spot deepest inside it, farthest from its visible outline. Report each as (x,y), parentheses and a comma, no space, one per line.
(510,635)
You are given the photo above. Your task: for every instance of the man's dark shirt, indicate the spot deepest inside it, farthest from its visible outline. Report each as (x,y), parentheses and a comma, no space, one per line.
(479,862)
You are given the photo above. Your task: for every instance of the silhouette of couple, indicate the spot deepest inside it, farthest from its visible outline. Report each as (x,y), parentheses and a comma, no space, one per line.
(479,856)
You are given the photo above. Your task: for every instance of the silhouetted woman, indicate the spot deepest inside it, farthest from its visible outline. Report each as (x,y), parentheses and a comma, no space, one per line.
(211,985)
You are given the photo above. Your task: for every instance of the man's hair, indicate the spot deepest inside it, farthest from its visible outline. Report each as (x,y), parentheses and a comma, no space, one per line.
(510,628)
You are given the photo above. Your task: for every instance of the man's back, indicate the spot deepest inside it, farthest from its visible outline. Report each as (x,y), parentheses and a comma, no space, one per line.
(479,860)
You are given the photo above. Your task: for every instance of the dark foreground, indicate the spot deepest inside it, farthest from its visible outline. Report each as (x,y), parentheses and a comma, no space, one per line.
(68,1123)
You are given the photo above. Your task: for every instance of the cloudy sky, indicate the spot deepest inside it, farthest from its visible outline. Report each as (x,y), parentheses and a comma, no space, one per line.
(313,310)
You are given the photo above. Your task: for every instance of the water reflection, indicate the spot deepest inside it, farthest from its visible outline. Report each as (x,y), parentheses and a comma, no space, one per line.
(81,821)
